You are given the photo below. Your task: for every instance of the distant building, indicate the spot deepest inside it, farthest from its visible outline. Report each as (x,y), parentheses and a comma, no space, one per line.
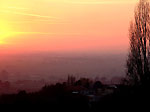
(4,75)
(71,80)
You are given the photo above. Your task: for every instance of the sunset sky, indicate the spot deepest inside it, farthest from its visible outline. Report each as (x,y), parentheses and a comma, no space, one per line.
(65,25)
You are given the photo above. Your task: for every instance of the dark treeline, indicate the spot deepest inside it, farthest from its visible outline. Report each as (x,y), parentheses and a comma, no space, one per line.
(82,94)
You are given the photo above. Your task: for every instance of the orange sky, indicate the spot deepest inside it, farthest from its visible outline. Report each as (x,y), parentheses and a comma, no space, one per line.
(65,25)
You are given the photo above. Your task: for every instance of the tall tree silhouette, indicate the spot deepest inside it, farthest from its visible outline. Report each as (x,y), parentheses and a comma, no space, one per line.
(138,62)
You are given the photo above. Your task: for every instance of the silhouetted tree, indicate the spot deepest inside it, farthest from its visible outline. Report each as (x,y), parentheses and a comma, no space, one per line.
(97,85)
(139,55)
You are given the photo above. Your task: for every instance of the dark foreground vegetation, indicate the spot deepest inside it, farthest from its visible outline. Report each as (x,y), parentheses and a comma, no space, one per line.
(82,95)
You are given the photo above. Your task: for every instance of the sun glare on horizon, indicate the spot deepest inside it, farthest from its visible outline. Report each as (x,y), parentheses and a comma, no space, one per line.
(65,25)
(5,31)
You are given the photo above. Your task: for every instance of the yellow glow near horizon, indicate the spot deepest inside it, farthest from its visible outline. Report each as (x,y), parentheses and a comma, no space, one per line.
(65,25)
(5,31)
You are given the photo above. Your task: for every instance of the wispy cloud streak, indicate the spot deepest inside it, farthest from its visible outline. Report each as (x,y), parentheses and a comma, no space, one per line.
(99,2)
(16,8)
(28,14)
(35,21)
(42,33)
